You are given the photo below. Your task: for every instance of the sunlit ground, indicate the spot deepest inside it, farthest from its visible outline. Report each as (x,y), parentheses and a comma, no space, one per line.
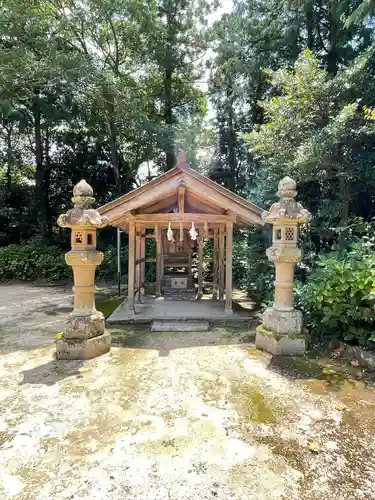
(179,416)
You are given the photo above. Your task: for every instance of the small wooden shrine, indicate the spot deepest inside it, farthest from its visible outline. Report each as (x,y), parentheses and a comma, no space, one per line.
(180,209)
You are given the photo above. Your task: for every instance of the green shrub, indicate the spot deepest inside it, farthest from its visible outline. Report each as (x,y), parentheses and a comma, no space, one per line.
(338,296)
(108,268)
(36,261)
(260,273)
(33,261)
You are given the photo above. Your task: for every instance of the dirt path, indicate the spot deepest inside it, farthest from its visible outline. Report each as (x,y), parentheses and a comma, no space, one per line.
(176,417)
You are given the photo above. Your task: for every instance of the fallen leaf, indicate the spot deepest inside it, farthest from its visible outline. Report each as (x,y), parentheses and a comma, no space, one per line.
(339,406)
(314,447)
(355,363)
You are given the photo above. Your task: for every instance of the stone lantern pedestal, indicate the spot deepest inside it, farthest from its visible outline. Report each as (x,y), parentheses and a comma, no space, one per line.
(84,335)
(281,329)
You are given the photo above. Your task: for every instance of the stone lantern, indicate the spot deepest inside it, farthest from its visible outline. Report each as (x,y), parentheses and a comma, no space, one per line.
(84,336)
(281,329)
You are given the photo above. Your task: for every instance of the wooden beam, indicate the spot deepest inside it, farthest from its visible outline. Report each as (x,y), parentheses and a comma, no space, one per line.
(181,199)
(210,194)
(200,265)
(146,259)
(228,269)
(198,219)
(158,260)
(195,204)
(131,265)
(160,205)
(221,263)
(140,197)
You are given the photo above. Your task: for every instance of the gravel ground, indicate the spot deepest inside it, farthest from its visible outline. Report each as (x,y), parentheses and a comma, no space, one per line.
(174,416)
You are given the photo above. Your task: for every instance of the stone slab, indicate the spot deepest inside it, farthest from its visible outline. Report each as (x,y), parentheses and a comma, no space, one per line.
(153,308)
(179,326)
(279,344)
(83,349)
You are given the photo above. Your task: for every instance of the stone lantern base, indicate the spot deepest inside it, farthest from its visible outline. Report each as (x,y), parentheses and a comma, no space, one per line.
(281,332)
(85,337)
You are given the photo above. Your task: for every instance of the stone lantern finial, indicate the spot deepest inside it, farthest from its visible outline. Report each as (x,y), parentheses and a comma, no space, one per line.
(281,330)
(84,335)
(83,194)
(287,189)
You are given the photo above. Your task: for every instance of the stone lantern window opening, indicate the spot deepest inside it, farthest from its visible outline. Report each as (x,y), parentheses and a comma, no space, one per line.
(89,239)
(277,234)
(290,234)
(79,237)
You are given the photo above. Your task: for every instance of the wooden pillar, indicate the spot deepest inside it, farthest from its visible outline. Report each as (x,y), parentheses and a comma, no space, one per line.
(137,258)
(131,265)
(228,268)
(190,274)
(158,260)
(143,255)
(200,264)
(215,272)
(221,263)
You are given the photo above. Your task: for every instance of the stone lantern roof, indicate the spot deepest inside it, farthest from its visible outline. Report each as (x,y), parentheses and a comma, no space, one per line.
(81,214)
(287,209)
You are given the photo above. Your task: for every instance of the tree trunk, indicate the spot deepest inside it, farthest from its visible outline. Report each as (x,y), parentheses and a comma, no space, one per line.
(46,186)
(332,53)
(168,119)
(345,200)
(114,153)
(231,140)
(309,16)
(39,171)
(9,169)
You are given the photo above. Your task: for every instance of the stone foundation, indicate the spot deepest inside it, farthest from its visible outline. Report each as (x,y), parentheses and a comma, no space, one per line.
(83,349)
(85,326)
(280,332)
(84,337)
(275,344)
(282,322)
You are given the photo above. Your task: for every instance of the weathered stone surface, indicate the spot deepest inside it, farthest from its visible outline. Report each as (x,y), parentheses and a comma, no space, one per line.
(83,349)
(273,343)
(174,294)
(84,326)
(284,253)
(286,208)
(283,322)
(84,333)
(179,326)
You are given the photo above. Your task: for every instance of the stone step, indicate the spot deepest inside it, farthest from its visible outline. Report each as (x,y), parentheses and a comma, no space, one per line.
(178,294)
(173,325)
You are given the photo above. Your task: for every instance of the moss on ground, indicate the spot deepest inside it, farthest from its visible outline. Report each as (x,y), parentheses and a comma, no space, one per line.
(107,305)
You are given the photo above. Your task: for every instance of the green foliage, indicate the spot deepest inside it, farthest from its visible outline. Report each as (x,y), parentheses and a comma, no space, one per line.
(108,268)
(338,296)
(36,261)
(319,131)
(33,261)
(260,273)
